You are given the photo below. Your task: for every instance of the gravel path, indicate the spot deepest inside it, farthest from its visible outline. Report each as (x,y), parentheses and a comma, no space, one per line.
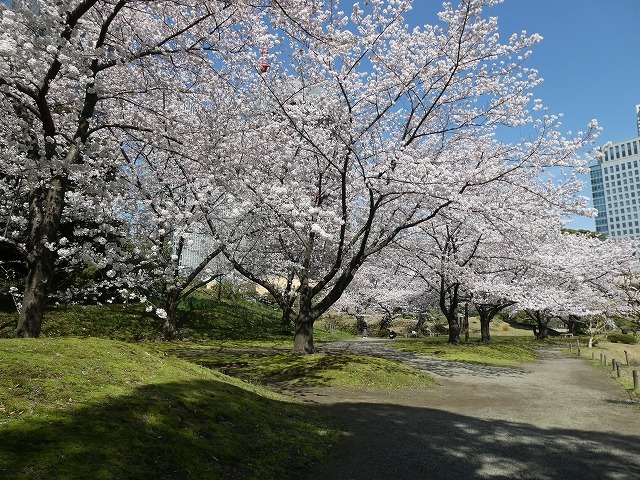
(557,418)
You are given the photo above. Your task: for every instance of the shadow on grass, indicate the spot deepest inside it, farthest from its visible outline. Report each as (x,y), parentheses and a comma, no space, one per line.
(276,366)
(192,430)
(391,441)
(130,322)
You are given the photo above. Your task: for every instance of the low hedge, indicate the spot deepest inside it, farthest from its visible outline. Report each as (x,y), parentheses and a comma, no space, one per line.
(622,338)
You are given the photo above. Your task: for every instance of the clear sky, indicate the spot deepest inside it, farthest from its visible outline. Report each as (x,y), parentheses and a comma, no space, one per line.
(589,60)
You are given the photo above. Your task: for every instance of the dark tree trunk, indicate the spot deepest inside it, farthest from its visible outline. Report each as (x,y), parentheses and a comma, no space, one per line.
(171,307)
(385,323)
(541,329)
(485,333)
(454,327)
(303,337)
(486,314)
(572,324)
(422,318)
(287,315)
(45,214)
(35,295)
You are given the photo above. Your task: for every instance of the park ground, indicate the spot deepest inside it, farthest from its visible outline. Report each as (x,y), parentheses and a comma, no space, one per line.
(553,418)
(75,406)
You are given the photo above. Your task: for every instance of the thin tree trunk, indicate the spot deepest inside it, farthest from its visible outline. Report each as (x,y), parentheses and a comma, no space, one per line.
(287,314)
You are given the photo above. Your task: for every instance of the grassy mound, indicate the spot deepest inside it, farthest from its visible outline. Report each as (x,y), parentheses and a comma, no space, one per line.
(93,408)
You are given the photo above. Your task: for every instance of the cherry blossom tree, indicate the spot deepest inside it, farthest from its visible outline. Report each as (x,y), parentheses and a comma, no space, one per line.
(574,275)
(364,129)
(74,78)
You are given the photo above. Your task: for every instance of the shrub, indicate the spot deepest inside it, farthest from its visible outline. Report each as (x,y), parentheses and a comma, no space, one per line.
(352,331)
(383,333)
(622,338)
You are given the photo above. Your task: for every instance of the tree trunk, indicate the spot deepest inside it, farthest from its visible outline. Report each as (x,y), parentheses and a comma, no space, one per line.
(303,338)
(385,323)
(542,324)
(543,330)
(287,315)
(44,215)
(485,332)
(454,327)
(35,295)
(171,307)
(486,314)
(422,318)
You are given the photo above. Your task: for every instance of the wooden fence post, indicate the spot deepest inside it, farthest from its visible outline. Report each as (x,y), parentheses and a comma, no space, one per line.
(618,371)
(613,362)
(635,381)
(626,356)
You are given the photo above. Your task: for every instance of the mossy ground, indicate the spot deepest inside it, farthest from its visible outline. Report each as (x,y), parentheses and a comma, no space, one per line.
(94,408)
(501,351)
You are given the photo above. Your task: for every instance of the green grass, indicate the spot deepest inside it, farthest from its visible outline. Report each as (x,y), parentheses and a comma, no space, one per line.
(501,351)
(272,363)
(230,320)
(92,408)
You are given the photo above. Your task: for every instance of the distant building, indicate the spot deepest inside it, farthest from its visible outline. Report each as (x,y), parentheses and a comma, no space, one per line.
(615,186)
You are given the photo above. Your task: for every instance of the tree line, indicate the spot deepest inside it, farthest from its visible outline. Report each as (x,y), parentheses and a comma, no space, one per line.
(304,145)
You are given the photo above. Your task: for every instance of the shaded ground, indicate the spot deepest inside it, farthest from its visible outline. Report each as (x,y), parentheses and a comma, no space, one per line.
(554,419)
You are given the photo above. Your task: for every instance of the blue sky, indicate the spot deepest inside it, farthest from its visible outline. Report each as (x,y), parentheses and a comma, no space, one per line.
(589,60)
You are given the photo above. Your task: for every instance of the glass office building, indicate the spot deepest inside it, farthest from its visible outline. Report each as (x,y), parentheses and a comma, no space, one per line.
(615,185)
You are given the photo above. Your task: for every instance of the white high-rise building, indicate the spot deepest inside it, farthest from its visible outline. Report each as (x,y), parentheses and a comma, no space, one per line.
(615,186)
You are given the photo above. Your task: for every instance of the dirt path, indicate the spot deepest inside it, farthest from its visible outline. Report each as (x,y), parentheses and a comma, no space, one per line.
(555,419)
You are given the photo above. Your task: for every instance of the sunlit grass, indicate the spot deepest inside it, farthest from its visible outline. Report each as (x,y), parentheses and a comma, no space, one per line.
(273,363)
(501,351)
(91,408)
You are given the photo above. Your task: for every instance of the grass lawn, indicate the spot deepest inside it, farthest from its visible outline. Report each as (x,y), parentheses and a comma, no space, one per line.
(101,409)
(95,397)
(272,363)
(501,351)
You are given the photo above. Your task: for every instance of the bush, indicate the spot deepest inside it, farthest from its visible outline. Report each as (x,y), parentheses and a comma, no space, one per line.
(384,333)
(622,338)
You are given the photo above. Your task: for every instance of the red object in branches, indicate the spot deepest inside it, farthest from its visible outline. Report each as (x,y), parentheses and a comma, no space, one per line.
(264,65)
